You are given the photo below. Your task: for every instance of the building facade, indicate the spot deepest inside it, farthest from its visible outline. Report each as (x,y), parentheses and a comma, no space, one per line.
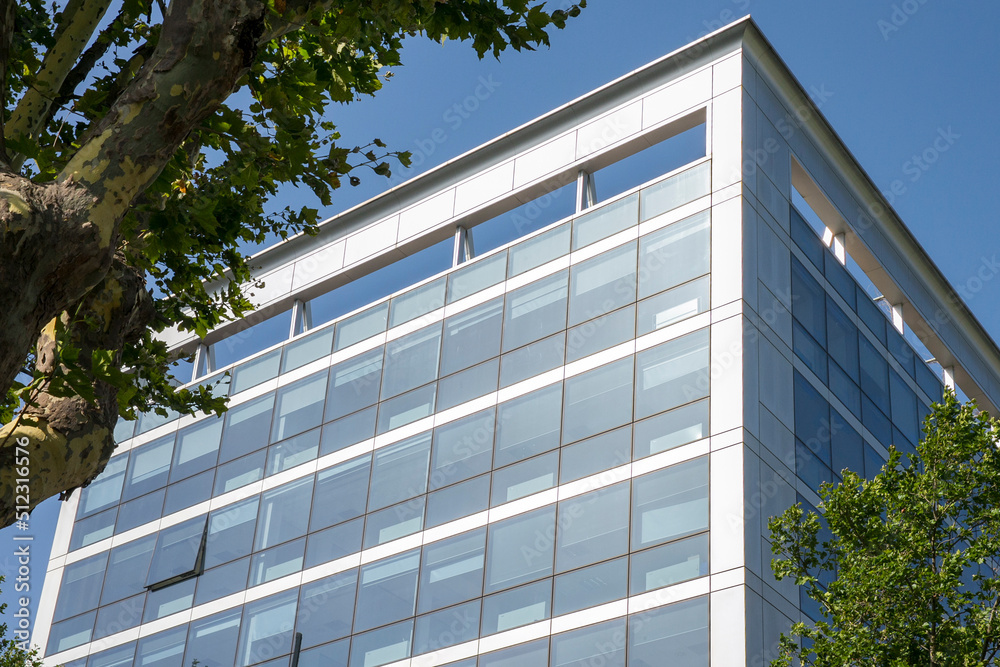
(535,406)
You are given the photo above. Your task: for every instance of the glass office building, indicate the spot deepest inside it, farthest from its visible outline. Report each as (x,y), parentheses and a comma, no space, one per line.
(536,407)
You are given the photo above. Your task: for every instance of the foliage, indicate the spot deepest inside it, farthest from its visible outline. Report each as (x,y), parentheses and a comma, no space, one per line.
(211,197)
(905,567)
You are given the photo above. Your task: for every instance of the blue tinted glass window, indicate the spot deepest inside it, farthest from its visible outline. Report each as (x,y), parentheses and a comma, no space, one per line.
(399,472)
(463,448)
(341,493)
(251,340)
(590,586)
(247,428)
(472,336)
(812,418)
(354,384)
(808,302)
(212,641)
(452,571)
(299,407)
(675,254)
(528,425)
(325,608)
(348,431)
(281,516)
(388,591)
(670,503)
(517,607)
(677,633)
(535,311)
(602,643)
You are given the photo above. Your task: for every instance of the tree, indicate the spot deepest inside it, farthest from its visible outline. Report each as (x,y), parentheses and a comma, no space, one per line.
(905,567)
(138,153)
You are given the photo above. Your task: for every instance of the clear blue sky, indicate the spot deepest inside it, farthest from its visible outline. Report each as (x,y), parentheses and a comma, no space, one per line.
(898,73)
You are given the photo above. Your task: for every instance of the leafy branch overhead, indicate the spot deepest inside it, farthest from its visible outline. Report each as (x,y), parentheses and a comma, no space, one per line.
(141,144)
(904,569)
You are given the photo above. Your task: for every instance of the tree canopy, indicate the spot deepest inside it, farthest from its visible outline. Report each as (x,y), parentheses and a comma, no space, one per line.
(904,568)
(141,142)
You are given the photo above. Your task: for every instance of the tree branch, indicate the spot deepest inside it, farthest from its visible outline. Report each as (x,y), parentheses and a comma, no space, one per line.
(78,22)
(8,13)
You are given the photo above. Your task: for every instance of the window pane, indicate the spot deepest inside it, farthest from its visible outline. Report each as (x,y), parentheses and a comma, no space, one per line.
(411,361)
(508,564)
(540,250)
(538,357)
(843,339)
(325,608)
(191,491)
(281,515)
(148,467)
(602,644)
(417,302)
(812,418)
(463,448)
(672,374)
(484,273)
(81,587)
(127,569)
(222,581)
(197,448)
(675,254)
(605,221)
(230,532)
(382,646)
(212,641)
(472,336)
(598,400)
(361,326)
(388,591)
(120,616)
(848,447)
(354,384)
(600,334)
(277,562)
(592,527)
(467,385)
(808,302)
(669,564)
(164,649)
(394,522)
(446,628)
(239,473)
(671,429)
(810,352)
(177,552)
(904,407)
(452,571)
(139,511)
(348,431)
(525,478)
(676,190)
(674,305)
(307,349)
(675,635)
(670,503)
(71,633)
(341,493)
(299,407)
(406,409)
(517,607)
(458,500)
(528,425)
(266,631)
(874,374)
(292,452)
(169,600)
(400,472)
(602,452)
(251,340)
(106,490)
(94,528)
(535,311)
(333,543)
(590,586)
(602,284)
(247,427)
(252,373)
